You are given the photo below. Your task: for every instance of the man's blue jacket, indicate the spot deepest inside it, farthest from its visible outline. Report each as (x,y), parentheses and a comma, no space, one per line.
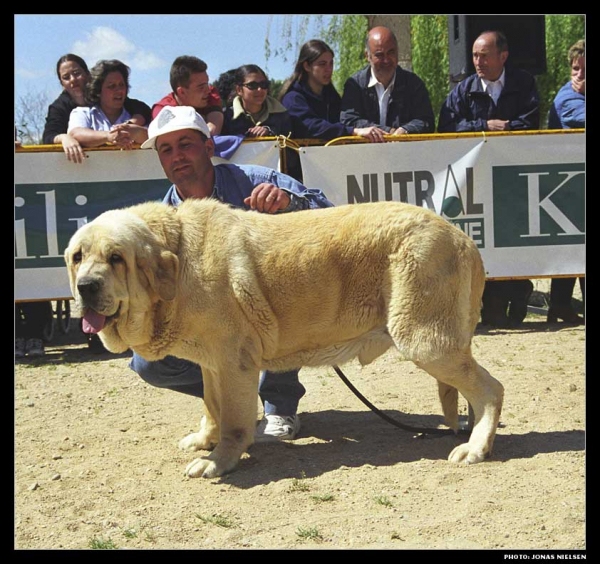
(468,107)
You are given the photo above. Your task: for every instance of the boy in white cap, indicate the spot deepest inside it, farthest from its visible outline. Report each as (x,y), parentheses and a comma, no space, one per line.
(184,146)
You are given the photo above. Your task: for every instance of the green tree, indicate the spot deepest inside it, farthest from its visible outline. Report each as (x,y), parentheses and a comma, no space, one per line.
(346,36)
(275,88)
(429,44)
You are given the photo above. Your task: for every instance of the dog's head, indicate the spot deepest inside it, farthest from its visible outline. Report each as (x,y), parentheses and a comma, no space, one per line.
(119,269)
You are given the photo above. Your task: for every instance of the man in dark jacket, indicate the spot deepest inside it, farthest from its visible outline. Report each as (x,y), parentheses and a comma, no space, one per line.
(495,98)
(385,95)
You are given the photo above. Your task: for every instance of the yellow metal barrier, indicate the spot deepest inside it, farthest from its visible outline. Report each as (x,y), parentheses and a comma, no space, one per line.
(297,143)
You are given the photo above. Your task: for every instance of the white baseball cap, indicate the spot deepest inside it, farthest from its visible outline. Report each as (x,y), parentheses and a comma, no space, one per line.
(174,118)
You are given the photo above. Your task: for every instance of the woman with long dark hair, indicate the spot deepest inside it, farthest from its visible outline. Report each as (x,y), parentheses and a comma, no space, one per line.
(311,98)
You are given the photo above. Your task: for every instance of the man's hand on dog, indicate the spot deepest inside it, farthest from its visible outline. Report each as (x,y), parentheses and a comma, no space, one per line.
(268,198)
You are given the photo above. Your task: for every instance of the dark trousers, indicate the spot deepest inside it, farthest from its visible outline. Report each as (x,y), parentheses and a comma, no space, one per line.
(280,392)
(505,302)
(31,318)
(561,290)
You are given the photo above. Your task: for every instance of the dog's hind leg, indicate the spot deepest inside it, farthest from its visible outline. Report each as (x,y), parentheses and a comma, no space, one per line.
(483,392)
(449,399)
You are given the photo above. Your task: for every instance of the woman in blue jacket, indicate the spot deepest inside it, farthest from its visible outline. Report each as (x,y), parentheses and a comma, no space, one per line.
(311,98)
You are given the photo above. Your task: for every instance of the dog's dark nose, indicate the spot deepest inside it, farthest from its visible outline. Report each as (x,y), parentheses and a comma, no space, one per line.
(88,288)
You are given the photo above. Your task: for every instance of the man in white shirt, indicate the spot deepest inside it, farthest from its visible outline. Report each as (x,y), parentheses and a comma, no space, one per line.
(383,95)
(495,97)
(489,59)
(382,53)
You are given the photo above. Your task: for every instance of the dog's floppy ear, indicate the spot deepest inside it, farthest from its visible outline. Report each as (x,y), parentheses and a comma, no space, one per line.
(162,272)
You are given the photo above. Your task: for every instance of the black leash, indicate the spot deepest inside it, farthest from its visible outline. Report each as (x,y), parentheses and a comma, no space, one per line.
(421,430)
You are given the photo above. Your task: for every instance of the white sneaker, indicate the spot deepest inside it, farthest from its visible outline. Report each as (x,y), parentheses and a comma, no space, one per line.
(276,428)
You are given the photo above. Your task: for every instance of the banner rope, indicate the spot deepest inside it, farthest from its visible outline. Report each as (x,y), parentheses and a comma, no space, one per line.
(284,142)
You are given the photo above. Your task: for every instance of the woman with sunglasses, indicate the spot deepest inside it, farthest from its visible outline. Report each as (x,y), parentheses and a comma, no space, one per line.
(311,98)
(73,75)
(254,113)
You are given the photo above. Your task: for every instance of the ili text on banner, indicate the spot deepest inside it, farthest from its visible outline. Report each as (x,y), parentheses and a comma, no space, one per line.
(54,197)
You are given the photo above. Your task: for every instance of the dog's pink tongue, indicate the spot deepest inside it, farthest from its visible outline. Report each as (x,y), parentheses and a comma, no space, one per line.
(93,322)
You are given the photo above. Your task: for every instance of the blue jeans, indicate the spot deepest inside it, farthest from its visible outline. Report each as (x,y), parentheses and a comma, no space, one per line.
(280,392)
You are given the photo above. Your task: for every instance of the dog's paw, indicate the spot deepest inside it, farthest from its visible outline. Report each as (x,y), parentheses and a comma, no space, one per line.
(217,463)
(206,468)
(196,441)
(202,467)
(466,454)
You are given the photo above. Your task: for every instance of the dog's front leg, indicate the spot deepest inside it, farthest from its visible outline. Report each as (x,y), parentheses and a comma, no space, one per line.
(209,435)
(237,401)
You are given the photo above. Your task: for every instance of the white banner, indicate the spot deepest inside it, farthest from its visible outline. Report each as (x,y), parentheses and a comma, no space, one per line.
(263,153)
(53,197)
(520,197)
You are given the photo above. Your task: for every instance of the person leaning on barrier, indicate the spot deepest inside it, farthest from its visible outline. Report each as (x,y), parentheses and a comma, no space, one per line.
(310,96)
(184,147)
(385,95)
(495,98)
(568,112)
(189,81)
(253,111)
(73,75)
(105,120)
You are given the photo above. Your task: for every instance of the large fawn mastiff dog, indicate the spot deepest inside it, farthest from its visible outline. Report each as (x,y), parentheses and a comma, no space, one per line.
(238,291)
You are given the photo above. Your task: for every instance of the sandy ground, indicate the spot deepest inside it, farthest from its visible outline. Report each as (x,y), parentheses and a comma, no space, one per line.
(97,463)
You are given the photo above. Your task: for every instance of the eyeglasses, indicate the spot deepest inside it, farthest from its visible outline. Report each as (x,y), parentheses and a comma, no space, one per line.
(256,85)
